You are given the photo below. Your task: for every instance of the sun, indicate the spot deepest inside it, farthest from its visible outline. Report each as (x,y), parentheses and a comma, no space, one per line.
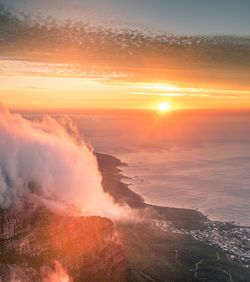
(164,107)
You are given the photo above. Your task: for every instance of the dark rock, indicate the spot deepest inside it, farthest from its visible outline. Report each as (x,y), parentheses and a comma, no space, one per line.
(86,247)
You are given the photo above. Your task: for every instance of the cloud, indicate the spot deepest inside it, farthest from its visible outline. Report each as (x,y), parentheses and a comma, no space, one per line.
(170,90)
(43,163)
(55,274)
(50,47)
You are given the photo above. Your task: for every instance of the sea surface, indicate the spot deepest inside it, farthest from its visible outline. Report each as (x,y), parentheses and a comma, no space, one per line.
(189,159)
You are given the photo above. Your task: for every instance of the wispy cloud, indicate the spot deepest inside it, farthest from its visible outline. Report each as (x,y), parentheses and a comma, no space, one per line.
(14,67)
(158,94)
(168,90)
(46,47)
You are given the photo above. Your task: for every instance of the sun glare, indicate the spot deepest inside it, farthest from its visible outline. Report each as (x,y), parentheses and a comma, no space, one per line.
(164,107)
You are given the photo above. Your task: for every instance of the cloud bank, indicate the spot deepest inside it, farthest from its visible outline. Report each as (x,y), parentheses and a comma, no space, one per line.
(46,46)
(46,163)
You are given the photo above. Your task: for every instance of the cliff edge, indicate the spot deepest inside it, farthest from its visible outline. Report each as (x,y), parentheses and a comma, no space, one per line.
(36,244)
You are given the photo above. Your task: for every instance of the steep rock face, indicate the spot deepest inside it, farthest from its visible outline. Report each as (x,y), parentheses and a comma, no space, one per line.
(85,247)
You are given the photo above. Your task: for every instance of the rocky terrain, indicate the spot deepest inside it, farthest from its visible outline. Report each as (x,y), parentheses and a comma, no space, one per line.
(34,242)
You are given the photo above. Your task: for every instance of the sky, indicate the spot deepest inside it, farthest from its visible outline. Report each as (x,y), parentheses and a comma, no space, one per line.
(178,16)
(50,67)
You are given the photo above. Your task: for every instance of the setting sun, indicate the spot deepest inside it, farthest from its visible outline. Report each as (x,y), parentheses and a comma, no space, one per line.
(164,107)
(123,130)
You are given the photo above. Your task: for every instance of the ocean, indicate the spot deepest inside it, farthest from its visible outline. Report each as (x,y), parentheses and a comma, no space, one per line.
(190,159)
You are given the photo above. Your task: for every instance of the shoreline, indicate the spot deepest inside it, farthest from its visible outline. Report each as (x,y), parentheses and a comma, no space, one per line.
(179,231)
(186,218)
(121,193)
(126,186)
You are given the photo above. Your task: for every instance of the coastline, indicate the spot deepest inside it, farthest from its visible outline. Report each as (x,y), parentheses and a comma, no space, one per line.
(183,239)
(202,178)
(121,193)
(157,244)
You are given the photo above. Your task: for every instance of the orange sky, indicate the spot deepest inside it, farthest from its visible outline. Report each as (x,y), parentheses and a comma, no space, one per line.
(30,92)
(51,64)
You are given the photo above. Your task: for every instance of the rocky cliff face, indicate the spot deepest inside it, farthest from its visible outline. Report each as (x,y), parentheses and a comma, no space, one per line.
(37,244)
